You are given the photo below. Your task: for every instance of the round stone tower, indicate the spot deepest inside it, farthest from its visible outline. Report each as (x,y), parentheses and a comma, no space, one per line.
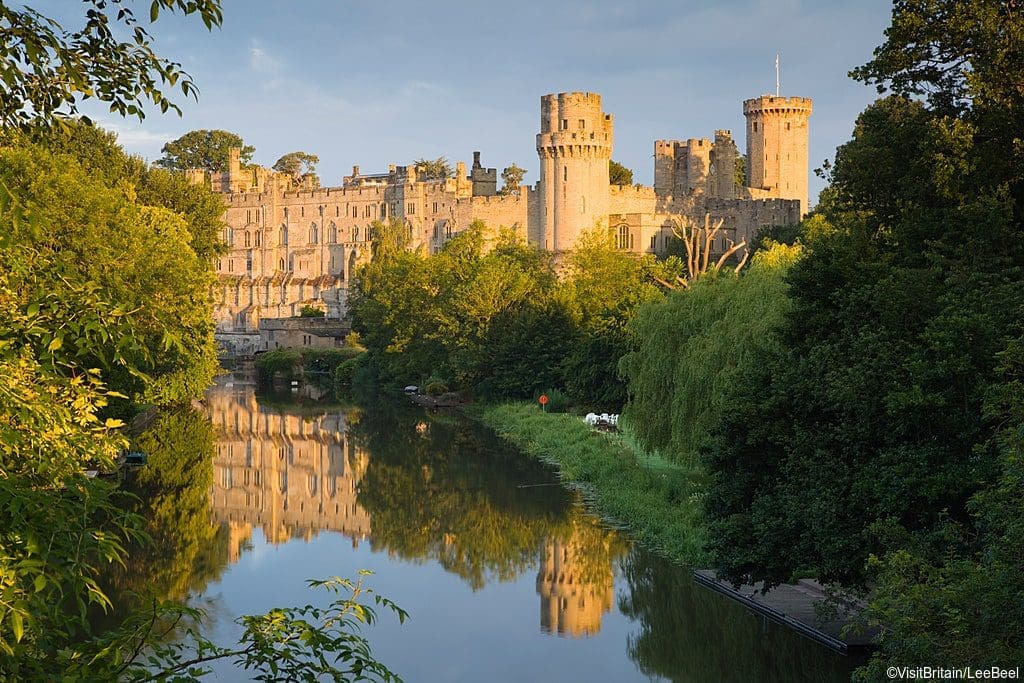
(777,146)
(574,146)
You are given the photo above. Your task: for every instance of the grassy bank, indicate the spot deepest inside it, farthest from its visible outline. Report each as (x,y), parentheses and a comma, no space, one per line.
(658,501)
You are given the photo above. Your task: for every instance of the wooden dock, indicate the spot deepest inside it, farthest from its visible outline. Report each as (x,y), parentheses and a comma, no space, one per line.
(794,605)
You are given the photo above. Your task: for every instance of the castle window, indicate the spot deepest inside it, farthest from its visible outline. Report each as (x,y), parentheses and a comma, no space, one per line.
(321,211)
(355,234)
(247,238)
(231,267)
(787,125)
(583,123)
(248,260)
(410,208)
(259,238)
(565,173)
(314,234)
(383,210)
(337,212)
(564,125)
(284,235)
(286,213)
(623,240)
(435,207)
(755,126)
(334,233)
(355,212)
(220,264)
(280,264)
(654,242)
(302,212)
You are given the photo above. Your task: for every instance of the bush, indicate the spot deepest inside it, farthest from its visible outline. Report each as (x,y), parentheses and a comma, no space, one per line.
(346,370)
(435,386)
(558,402)
(291,363)
(311,312)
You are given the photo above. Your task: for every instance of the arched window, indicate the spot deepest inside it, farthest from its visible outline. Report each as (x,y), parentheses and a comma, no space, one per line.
(284,235)
(314,234)
(355,233)
(247,238)
(280,264)
(259,238)
(333,235)
(623,240)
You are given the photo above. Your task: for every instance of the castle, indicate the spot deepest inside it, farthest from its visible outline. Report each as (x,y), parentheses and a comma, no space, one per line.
(294,244)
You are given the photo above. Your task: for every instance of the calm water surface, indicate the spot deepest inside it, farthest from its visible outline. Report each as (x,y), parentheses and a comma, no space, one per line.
(505,576)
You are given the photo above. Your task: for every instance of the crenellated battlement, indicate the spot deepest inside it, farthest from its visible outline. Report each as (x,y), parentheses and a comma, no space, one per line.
(778,104)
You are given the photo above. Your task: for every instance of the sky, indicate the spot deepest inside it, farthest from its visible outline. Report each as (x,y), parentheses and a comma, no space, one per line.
(378,82)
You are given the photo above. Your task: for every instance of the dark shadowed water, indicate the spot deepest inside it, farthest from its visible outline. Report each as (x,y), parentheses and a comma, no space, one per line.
(506,577)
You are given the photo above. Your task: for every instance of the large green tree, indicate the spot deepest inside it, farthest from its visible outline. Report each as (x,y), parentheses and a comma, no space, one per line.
(205,149)
(297,164)
(866,446)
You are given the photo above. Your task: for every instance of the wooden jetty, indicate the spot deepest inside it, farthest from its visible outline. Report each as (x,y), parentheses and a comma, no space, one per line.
(794,605)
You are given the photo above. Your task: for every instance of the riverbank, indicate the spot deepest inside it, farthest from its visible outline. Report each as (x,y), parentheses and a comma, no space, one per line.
(658,501)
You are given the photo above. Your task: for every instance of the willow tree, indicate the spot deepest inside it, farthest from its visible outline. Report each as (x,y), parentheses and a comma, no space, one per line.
(689,347)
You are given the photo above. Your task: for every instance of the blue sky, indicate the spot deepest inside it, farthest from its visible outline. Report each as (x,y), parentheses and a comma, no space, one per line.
(372,83)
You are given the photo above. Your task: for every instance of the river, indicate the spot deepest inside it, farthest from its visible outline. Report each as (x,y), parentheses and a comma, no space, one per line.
(505,575)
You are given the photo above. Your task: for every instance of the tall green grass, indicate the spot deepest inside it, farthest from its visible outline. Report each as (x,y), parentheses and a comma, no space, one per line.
(658,501)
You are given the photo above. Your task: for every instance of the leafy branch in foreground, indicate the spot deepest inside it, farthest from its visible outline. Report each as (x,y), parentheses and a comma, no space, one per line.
(296,643)
(46,68)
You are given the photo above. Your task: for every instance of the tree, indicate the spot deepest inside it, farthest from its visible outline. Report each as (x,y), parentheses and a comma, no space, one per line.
(512,178)
(97,151)
(297,164)
(619,174)
(48,69)
(688,349)
(697,244)
(740,170)
(205,149)
(433,169)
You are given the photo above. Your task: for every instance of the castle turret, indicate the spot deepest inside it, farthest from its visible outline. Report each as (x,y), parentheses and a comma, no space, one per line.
(777,146)
(574,146)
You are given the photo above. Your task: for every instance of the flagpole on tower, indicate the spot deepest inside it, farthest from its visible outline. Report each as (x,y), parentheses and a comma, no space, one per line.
(776,75)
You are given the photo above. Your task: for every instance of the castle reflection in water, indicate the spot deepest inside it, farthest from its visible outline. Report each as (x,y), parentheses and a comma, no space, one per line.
(293,475)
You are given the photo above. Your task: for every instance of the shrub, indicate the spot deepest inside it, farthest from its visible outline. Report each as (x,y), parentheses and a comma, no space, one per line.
(346,370)
(435,386)
(311,312)
(558,402)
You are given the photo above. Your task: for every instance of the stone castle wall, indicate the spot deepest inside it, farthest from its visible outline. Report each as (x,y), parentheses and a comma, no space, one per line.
(292,244)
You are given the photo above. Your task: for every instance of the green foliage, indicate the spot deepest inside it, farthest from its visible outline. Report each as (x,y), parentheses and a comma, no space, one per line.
(205,149)
(86,247)
(866,444)
(963,607)
(488,313)
(97,151)
(346,370)
(619,174)
(433,169)
(435,386)
(290,363)
(692,346)
(558,402)
(658,501)
(297,164)
(312,312)
(511,178)
(740,170)
(47,68)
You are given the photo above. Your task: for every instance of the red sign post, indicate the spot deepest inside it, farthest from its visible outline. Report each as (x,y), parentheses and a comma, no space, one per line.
(543,402)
